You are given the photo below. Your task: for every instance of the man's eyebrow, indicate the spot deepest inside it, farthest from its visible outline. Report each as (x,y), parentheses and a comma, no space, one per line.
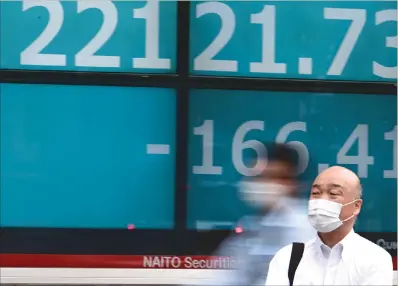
(329,186)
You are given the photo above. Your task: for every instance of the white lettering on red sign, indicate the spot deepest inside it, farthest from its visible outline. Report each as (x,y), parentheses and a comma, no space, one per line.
(188,262)
(161,262)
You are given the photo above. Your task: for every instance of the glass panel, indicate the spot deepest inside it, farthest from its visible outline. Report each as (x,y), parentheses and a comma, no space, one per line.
(352,130)
(336,40)
(118,36)
(87,156)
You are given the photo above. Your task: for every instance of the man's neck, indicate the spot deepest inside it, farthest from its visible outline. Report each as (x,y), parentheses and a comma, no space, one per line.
(332,238)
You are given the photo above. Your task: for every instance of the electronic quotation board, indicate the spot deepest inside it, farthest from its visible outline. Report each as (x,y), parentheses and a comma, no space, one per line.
(105,156)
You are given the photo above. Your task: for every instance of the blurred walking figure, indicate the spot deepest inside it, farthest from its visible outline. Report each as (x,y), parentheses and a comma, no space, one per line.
(280,218)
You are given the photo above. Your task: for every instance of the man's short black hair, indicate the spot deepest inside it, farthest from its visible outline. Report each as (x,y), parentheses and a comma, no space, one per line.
(281,153)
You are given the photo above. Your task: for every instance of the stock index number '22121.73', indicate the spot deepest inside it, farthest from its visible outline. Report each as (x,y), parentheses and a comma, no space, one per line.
(349,40)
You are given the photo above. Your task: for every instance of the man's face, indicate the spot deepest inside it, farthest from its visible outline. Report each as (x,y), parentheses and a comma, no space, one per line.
(276,172)
(339,186)
(264,191)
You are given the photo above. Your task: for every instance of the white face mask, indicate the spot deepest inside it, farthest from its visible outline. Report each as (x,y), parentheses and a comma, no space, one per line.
(261,194)
(324,215)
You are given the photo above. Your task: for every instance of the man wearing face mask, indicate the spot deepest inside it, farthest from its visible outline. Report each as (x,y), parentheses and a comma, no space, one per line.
(336,255)
(280,216)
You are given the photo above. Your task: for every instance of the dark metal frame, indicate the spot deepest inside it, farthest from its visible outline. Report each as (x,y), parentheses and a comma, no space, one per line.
(180,240)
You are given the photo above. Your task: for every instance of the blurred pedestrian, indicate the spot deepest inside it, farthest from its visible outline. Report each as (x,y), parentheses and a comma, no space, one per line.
(280,217)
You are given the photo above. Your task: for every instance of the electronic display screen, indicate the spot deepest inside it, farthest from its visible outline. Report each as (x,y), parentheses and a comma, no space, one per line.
(358,131)
(87,156)
(334,40)
(118,36)
(142,115)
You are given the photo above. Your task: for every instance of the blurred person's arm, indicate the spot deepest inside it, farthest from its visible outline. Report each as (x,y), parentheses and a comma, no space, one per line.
(235,247)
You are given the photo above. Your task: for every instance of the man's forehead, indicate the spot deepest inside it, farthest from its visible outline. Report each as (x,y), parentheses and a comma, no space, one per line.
(276,167)
(334,181)
(337,176)
(273,168)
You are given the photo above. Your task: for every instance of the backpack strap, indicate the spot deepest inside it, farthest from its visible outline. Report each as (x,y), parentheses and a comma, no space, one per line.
(295,258)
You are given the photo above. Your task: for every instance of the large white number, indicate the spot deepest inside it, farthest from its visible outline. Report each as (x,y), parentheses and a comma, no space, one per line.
(238,145)
(31,55)
(85,57)
(301,149)
(358,18)
(392,135)
(207,168)
(205,61)
(150,12)
(266,18)
(359,134)
(391,42)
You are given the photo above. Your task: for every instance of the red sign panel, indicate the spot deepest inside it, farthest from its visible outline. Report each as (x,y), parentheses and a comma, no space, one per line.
(120,261)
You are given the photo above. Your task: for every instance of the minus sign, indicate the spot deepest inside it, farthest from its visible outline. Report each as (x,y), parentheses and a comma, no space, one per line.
(162,149)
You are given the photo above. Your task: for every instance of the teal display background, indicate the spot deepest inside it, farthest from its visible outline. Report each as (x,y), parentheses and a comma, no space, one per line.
(75,156)
(330,119)
(20,28)
(301,31)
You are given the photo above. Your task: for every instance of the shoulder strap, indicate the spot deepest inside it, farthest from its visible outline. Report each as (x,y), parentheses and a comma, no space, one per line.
(295,258)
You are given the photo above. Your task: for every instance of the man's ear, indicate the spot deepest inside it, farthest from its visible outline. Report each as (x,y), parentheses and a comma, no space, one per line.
(358,205)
